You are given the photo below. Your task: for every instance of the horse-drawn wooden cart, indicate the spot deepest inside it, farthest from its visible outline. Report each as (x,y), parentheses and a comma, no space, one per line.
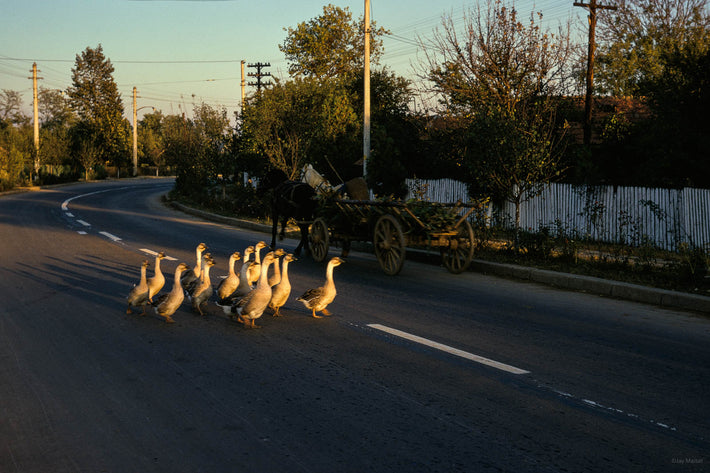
(392,226)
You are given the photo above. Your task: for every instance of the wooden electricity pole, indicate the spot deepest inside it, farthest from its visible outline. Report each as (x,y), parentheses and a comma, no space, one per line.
(35,110)
(366,94)
(135,133)
(592,6)
(243,84)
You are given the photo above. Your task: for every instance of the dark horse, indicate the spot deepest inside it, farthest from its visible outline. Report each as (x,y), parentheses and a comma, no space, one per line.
(290,199)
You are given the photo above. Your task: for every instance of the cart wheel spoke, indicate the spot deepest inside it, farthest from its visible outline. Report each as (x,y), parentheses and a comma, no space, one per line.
(388,240)
(319,240)
(458,257)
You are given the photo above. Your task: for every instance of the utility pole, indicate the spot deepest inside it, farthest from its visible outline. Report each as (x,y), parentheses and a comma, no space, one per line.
(258,74)
(366,94)
(135,133)
(243,85)
(35,110)
(592,6)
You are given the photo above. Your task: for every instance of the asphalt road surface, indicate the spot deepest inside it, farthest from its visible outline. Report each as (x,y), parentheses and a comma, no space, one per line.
(422,372)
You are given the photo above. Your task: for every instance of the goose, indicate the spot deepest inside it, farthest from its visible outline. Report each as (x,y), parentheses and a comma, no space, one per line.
(256,270)
(245,286)
(252,306)
(275,278)
(190,276)
(193,285)
(203,290)
(139,293)
(229,284)
(318,299)
(167,304)
(156,283)
(281,291)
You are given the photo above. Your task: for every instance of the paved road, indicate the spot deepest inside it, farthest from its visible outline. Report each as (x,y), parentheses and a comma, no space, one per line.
(426,371)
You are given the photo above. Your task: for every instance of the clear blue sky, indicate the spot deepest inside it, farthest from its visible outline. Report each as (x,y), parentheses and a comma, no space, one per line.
(180,52)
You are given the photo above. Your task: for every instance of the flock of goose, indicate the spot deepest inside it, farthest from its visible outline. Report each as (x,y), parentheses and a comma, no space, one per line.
(243,295)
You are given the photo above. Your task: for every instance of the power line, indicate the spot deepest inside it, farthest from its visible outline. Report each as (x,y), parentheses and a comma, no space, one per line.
(120,61)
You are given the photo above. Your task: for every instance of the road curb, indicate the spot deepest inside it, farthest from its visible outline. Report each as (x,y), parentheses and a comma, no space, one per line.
(599,286)
(574,282)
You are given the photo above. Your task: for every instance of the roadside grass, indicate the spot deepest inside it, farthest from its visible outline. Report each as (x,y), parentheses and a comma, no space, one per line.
(684,271)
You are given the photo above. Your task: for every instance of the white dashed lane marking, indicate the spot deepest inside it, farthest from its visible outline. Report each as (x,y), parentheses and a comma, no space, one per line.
(154,253)
(110,236)
(448,349)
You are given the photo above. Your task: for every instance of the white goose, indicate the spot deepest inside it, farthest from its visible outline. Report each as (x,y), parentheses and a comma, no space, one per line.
(167,304)
(317,299)
(138,296)
(281,291)
(255,271)
(275,278)
(190,276)
(229,284)
(252,306)
(203,290)
(156,283)
(245,286)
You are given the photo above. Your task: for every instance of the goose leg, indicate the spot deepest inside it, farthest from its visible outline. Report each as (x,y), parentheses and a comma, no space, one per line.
(325,312)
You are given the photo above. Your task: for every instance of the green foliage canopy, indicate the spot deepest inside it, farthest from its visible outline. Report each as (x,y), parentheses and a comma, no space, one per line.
(288,122)
(330,45)
(95,98)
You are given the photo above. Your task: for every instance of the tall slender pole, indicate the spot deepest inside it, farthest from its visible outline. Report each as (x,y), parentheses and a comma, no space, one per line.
(244,84)
(35,110)
(592,6)
(366,94)
(135,134)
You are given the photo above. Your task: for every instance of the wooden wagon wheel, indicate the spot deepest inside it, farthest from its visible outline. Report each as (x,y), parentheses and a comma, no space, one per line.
(319,239)
(457,257)
(388,240)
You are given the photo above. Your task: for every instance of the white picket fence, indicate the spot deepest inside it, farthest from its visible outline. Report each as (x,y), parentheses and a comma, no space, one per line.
(664,218)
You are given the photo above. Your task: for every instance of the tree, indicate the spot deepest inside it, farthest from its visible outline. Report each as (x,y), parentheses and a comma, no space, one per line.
(292,119)
(88,156)
(54,109)
(95,98)
(197,146)
(394,134)
(151,139)
(634,38)
(505,77)
(11,107)
(330,45)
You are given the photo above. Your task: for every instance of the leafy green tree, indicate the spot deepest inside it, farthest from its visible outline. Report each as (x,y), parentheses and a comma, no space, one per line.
(11,107)
(197,146)
(95,98)
(16,151)
(673,145)
(503,75)
(54,109)
(56,120)
(291,120)
(151,141)
(634,38)
(330,45)
(16,148)
(394,136)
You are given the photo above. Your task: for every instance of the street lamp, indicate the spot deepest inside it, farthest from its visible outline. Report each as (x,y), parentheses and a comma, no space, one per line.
(135,131)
